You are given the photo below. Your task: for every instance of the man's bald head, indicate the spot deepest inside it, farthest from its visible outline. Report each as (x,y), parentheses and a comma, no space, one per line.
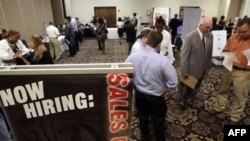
(205,24)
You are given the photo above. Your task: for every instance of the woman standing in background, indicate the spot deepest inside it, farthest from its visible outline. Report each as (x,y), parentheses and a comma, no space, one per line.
(101,34)
(120,25)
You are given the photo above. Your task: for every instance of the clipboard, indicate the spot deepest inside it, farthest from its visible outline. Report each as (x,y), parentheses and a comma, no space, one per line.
(191,81)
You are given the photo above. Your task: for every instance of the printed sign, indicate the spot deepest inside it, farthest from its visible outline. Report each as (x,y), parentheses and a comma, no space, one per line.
(219,42)
(68,107)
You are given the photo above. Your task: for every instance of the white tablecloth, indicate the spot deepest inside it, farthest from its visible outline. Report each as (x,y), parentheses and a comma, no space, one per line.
(62,44)
(112,33)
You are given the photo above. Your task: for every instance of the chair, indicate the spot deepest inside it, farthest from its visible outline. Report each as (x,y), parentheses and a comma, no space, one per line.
(178,42)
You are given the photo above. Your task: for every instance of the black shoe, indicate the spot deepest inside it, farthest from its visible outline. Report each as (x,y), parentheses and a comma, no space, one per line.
(71,55)
(183,105)
(211,110)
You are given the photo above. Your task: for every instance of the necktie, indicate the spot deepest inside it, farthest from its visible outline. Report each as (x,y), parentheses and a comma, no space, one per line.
(203,40)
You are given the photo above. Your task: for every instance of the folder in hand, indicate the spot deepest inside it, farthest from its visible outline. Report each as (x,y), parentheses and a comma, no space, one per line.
(191,81)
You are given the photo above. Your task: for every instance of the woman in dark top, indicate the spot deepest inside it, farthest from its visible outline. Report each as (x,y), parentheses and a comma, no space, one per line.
(101,34)
(40,54)
(222,23)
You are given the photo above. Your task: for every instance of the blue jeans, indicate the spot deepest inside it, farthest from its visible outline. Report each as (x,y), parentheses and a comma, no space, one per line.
(4,133)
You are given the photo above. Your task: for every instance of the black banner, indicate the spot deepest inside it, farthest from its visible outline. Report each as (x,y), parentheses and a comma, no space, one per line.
(78,107)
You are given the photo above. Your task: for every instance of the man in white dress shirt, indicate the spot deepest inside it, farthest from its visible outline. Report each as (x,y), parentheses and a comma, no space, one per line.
(166,45)
(53,32)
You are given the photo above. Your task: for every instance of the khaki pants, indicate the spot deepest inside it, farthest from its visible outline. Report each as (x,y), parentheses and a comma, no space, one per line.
(54,47)
(240,81)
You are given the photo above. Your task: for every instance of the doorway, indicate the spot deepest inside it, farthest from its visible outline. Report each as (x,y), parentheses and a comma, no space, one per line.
(109,13)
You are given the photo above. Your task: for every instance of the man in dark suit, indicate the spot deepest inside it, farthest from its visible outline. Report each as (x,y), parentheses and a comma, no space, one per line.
(196,55)
(173,24)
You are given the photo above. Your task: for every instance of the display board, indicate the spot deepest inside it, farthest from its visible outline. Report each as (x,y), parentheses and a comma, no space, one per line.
(191,19)
(164,12)
(68,102)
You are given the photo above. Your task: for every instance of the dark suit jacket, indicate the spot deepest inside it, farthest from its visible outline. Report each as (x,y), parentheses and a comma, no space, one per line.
(195,58)
(173,24)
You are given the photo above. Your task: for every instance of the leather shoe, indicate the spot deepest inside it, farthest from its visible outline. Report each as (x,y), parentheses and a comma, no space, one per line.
(211,110)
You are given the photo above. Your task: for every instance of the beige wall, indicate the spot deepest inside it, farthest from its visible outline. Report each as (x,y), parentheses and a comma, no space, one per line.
(234,9)
(245,10)
(57,9)
(223,8)
(84,9)
(27,16)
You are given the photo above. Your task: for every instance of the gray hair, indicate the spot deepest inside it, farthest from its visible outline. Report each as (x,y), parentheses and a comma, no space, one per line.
(204,20)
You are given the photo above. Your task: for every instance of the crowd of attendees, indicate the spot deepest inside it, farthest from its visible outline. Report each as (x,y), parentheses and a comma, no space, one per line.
(152,55)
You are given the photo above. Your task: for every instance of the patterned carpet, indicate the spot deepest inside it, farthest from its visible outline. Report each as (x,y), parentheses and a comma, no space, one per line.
(193,124)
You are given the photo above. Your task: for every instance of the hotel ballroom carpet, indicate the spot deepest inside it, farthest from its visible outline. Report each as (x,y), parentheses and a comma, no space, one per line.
(193,124)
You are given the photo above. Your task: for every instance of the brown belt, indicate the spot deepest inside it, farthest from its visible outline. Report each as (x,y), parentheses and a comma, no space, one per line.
(243,69)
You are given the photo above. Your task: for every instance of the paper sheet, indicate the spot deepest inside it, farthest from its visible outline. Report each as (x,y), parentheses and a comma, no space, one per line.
(247,54)
(190,81)
(229,58)
(219,41)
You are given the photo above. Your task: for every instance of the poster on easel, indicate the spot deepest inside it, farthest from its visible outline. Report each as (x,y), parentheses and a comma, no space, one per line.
(164,12)
(219,42)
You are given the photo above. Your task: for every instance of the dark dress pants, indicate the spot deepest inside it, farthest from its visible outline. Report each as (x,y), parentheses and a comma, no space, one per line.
(76,41)
(154,107)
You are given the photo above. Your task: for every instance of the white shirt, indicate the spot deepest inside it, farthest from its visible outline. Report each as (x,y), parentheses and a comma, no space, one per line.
(6,53)
(201,35)
(52,31)
(73,23)
(119,25)
(166,46)
(137,46)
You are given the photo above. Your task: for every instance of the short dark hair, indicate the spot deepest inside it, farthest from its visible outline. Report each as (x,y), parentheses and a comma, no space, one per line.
(119,19)
(222,17)
(243,21)
(68,18)
(13,32)
(143,33)
(160,20)
(100,21)
(154,38)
